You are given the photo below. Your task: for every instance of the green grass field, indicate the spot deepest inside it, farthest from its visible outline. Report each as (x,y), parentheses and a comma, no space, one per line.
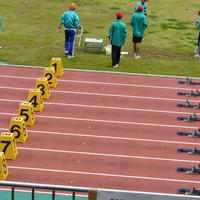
(29,35)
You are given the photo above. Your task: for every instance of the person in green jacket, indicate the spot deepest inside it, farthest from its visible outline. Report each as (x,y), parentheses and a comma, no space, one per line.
(143,4)
(117,35)
(139,22)
(198,41)
(70,21)
(0,28)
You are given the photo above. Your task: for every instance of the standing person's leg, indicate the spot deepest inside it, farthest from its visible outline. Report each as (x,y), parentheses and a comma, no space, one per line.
(71,43)
(198,44)
(118,54)
(67,36)
(137,49)
(114,55)
(134,50)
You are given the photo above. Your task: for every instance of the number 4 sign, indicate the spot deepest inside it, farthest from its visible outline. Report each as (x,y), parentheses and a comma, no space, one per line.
(35,98)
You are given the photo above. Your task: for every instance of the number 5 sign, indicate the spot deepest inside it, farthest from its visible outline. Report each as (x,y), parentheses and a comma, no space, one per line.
(26,111)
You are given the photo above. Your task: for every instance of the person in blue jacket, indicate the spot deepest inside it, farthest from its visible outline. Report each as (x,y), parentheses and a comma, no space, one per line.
(117,35)
(70,20)
(143,4)
(198,41)
(139,22)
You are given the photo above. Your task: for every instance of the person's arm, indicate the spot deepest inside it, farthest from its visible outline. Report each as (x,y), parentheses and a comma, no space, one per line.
(198,24)
(76,21)
(61,23)
(125,34)
(131,21)
(110,31)
(146,22)
(60,27)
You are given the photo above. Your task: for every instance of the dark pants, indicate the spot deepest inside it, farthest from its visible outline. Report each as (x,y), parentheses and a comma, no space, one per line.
(69,41)
(198,44)
(115,54)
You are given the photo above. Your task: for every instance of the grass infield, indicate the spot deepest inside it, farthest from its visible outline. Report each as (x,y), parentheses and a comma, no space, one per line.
(29,35)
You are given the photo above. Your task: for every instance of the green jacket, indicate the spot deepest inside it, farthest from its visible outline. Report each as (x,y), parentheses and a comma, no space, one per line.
(117,33)
(70,20)
(139,22)
(141,4)
(198,25)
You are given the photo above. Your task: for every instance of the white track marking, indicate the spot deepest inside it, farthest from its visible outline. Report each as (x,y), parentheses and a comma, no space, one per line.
(107,155)
(106,107)
(104,83)
(14,88)
(98,94)
(108,137)
(18,77)
(105,121)
(102,174)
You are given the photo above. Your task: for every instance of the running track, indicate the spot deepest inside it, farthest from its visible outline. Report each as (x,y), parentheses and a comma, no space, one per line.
(102,130)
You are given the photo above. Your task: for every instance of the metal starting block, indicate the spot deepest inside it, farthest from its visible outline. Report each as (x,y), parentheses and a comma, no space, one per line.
(193,151)
(188,105)
(191,118)
(195,133)
(194,93)
(192,191)
(193,170)
(188,81)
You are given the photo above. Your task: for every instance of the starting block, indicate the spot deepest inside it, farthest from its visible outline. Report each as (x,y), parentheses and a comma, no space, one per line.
(3,167)
(49,73)
(18,127)
(42,84)
(56,63)
(26,111)
(8,145)
(35,98)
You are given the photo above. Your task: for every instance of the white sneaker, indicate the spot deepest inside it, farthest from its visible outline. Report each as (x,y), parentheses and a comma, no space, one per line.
(66,52)
(197,56)
(136,56)
(70,57)
(116,66)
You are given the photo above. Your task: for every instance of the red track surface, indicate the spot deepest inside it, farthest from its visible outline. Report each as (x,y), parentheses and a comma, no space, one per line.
(102,130)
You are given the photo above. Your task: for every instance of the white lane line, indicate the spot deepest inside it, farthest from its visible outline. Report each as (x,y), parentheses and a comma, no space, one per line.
(107,155)
(14,88)
(116,138)
(99,94)
(102,174)
(18,77)
(106,121)
(124,84)
(108,137)
(107,107)
(104,83)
